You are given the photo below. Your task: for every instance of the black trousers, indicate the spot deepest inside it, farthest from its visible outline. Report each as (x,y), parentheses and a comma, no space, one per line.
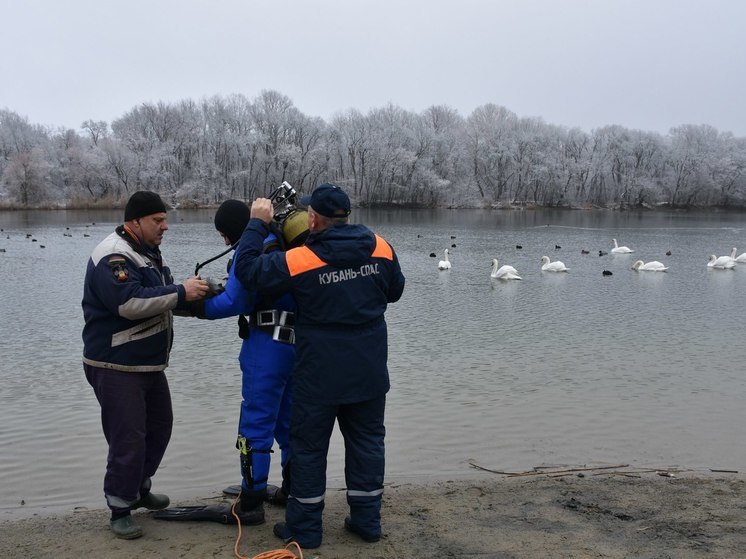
(311,426)
(137,419)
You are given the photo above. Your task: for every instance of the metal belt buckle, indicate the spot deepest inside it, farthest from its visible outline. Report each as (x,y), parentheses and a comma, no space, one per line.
(287,318)
(266,318)
(284,334)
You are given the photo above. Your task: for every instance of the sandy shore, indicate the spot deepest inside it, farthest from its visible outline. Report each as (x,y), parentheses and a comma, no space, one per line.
(609,513)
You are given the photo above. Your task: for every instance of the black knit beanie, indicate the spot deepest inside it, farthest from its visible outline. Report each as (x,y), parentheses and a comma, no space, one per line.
(231,219)
(142,203)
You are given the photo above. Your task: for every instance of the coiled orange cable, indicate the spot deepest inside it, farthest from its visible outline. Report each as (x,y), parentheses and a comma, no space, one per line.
(284,553)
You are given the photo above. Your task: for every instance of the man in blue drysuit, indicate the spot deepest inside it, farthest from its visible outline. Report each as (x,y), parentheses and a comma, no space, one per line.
(266,360)
(342,280)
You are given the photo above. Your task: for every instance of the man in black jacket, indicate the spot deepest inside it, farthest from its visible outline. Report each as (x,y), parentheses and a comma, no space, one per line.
(128,301)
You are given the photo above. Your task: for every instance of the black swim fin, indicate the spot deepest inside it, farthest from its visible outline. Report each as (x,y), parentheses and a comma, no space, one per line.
(232,490)
(210,513)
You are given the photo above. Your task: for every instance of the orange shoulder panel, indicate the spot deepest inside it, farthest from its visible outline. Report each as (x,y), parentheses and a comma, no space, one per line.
(302,259)
(383,249)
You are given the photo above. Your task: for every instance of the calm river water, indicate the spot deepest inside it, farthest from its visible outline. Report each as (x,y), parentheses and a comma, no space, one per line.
(557,369)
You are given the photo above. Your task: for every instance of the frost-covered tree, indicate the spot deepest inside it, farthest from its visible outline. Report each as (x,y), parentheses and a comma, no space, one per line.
(202,152)
(25,177)
(490,133)
(447,168)
(351,133)
(96,129)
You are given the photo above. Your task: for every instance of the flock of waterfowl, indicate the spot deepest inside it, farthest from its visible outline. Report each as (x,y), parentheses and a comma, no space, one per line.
(34,240)
(507,272)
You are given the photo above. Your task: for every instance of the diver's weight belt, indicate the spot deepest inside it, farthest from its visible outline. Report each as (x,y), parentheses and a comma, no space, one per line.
(280,324)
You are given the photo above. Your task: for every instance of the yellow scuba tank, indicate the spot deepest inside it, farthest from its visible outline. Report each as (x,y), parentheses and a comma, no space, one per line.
(295,228)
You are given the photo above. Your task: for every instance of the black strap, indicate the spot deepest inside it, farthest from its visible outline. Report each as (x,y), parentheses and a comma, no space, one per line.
(243,327)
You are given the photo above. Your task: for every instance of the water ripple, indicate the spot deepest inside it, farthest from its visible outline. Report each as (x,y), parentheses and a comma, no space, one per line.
(556,368)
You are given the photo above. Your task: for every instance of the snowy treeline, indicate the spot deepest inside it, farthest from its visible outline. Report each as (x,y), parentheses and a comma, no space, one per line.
(202,152)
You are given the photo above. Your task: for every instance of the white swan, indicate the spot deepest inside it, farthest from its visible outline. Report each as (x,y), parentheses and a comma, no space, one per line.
(741,258)
(620,250)
(654,266)
(556,266)
(444,264)
(503,272)
(721,262)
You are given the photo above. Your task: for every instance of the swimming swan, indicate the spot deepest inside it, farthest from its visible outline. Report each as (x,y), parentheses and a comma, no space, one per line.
(504,272)
(654,266)
(444,264)
(556,266)
(620,250)
(721,262)
(741,258)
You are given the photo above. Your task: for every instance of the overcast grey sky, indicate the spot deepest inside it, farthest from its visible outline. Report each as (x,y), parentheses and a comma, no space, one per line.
(644,64)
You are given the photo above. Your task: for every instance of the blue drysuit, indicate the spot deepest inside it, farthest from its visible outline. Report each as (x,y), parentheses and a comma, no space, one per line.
(266,366)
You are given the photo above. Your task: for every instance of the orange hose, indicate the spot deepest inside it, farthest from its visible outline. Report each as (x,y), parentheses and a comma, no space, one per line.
(284,553)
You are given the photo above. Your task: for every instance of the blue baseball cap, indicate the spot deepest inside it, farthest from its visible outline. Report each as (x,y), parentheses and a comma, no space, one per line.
(328,200)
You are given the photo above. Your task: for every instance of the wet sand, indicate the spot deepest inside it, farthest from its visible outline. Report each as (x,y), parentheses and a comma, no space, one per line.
(609,513)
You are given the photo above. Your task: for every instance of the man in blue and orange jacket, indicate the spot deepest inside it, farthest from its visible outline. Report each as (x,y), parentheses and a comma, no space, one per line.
(342,279)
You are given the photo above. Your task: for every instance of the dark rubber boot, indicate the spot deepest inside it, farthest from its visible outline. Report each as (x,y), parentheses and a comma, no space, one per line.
(370,538)
(125,528)
(251,517)
(276,496)
(151,501)
(251,507)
